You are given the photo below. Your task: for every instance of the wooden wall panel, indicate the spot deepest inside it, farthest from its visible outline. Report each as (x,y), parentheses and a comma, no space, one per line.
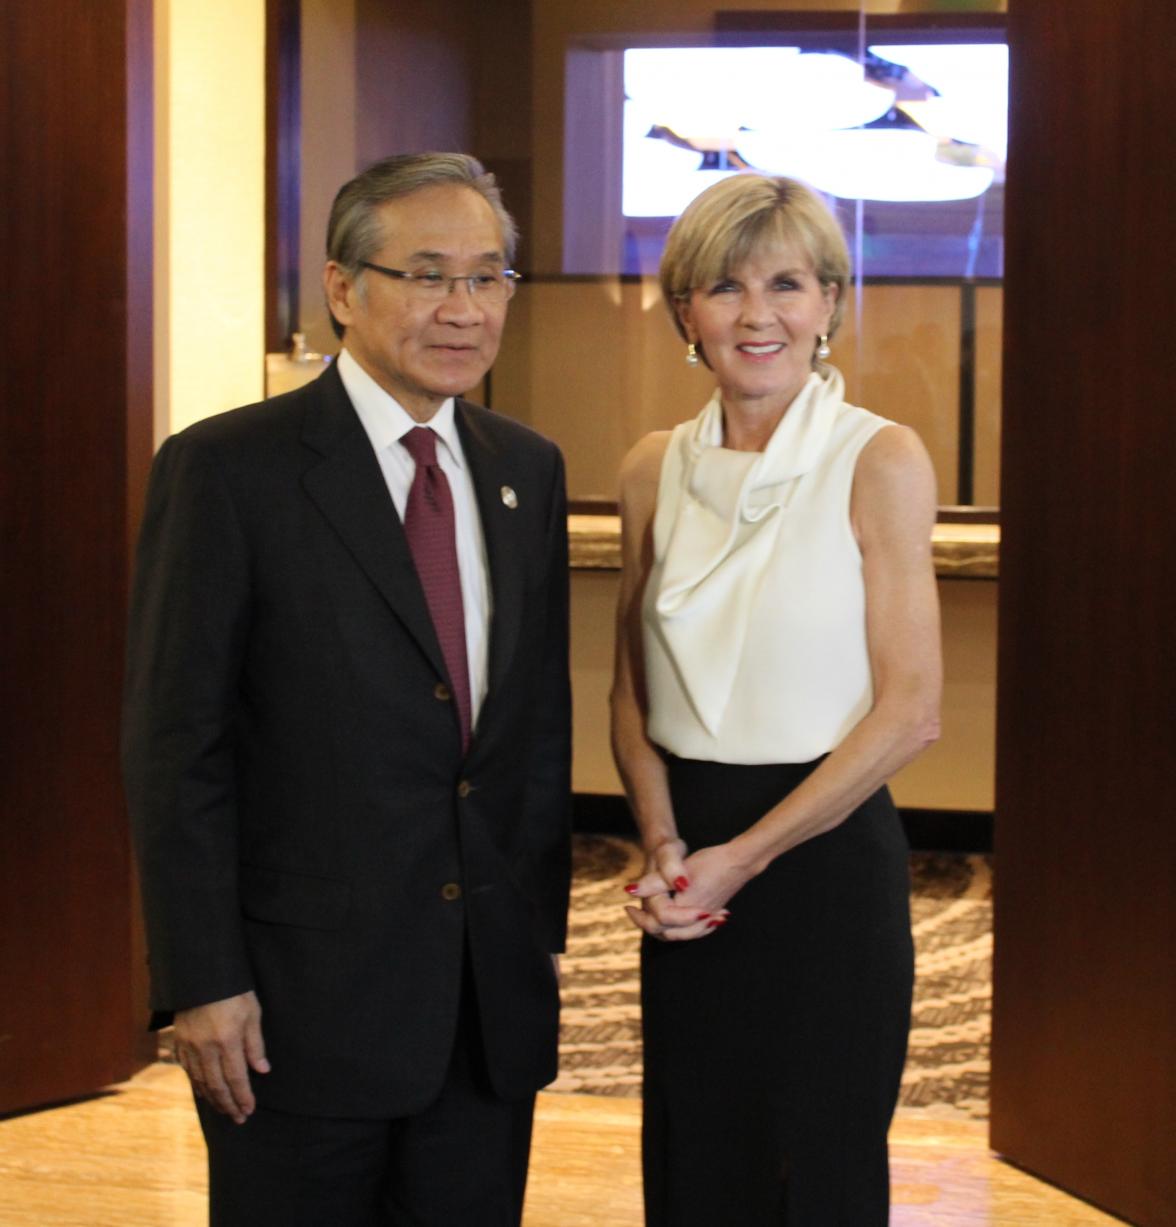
(989,337)
(413,78)
(75,435)
(904,363)
(595,363)
(1084,1059)
(283,137)
(378,79)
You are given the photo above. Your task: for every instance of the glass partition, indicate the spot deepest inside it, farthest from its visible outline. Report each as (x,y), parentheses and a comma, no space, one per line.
(899,119)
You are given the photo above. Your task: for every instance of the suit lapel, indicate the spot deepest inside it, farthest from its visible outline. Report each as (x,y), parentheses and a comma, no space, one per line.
(348,487)
(493,475)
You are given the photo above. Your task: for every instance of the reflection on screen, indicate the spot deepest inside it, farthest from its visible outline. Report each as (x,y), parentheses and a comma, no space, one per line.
(917,132)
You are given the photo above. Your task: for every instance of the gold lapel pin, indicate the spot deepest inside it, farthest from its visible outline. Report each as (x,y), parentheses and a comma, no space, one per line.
(509,497)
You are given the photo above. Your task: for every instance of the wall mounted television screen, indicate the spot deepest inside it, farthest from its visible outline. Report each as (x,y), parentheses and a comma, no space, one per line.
(907,141)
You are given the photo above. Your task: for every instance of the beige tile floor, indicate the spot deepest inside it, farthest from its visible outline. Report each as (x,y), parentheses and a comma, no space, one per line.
(134,1158)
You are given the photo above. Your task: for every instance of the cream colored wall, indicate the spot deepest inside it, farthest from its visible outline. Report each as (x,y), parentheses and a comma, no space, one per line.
(210,207)
(956,773)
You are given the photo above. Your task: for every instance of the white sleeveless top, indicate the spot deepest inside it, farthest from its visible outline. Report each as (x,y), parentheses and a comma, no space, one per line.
(754,623)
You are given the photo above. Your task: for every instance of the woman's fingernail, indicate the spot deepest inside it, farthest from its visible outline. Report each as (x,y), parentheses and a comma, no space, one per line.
(703,916)
(680,883)
(631,888)
(714,924)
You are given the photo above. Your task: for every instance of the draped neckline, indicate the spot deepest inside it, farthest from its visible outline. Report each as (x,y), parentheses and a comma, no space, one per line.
(729,509)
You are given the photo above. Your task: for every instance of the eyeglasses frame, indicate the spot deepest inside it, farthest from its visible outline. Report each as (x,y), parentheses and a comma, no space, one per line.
(510,277)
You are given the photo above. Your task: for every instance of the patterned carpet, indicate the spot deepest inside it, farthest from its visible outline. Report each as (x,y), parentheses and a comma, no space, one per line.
(951,908)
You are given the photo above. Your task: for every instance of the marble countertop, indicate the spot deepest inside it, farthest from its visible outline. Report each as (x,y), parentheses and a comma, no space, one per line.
(962,551)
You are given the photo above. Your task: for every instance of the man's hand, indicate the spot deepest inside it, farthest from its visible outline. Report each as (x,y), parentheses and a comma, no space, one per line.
(218,1044)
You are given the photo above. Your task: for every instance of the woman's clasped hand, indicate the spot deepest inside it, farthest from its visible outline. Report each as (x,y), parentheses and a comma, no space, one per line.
(685,896)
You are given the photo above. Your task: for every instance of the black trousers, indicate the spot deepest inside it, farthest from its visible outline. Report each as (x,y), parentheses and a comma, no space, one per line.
(774,1047)
(462,1162)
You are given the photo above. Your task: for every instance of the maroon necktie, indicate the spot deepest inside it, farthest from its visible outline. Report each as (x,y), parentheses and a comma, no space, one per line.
(429,526)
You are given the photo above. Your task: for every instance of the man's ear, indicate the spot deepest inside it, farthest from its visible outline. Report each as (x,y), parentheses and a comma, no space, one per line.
(340,291)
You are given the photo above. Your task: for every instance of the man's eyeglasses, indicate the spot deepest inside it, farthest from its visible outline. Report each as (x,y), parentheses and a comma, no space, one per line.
(433,286)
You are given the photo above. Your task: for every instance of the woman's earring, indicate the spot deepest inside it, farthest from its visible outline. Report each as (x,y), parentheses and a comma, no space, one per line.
(691,354)
(823,347)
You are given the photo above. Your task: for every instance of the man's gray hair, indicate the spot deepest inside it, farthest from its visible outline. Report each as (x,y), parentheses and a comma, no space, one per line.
(354,233)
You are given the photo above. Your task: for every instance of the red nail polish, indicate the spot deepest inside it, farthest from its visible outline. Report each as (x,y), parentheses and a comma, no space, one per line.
(680,883)
(631,888)
(714,924)
(704,915)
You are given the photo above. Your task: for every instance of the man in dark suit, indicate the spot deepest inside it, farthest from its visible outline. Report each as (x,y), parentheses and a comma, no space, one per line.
(346,743)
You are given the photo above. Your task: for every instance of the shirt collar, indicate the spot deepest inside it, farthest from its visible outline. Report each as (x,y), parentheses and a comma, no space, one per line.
(385,419)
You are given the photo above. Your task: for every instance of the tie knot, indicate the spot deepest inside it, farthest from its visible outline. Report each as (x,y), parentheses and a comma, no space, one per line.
(421,445)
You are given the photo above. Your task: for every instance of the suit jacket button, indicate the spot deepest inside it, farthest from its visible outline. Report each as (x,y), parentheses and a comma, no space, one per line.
(441,692)
(450,891)
(464,788)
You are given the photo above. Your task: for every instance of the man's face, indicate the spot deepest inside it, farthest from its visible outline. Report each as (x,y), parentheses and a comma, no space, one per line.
(422,352)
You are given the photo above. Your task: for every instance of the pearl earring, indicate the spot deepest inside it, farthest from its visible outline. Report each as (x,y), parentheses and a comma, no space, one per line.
(691,354)
(823,347)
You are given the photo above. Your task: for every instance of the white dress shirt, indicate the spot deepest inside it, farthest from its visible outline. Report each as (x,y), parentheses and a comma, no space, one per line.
(386,421)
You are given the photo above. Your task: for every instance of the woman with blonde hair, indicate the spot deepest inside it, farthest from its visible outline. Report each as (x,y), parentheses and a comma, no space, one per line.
(777,661)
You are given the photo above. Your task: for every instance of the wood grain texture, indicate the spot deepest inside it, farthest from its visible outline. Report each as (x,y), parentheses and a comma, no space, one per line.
(75,387)
(134,1158)
(283,166)
(1084,1064)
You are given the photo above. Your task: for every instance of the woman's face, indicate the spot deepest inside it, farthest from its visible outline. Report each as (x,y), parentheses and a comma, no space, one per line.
(759,326)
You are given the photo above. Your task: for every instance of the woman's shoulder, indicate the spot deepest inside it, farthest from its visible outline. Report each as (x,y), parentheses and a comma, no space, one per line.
(894,483)
(893,450)
(878,446)
(852,420)
(641,467)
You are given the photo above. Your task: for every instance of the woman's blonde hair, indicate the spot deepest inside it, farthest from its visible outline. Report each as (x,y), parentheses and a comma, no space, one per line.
(723,226)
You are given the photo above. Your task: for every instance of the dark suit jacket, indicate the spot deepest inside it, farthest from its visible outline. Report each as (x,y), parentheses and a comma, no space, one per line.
(305,822)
